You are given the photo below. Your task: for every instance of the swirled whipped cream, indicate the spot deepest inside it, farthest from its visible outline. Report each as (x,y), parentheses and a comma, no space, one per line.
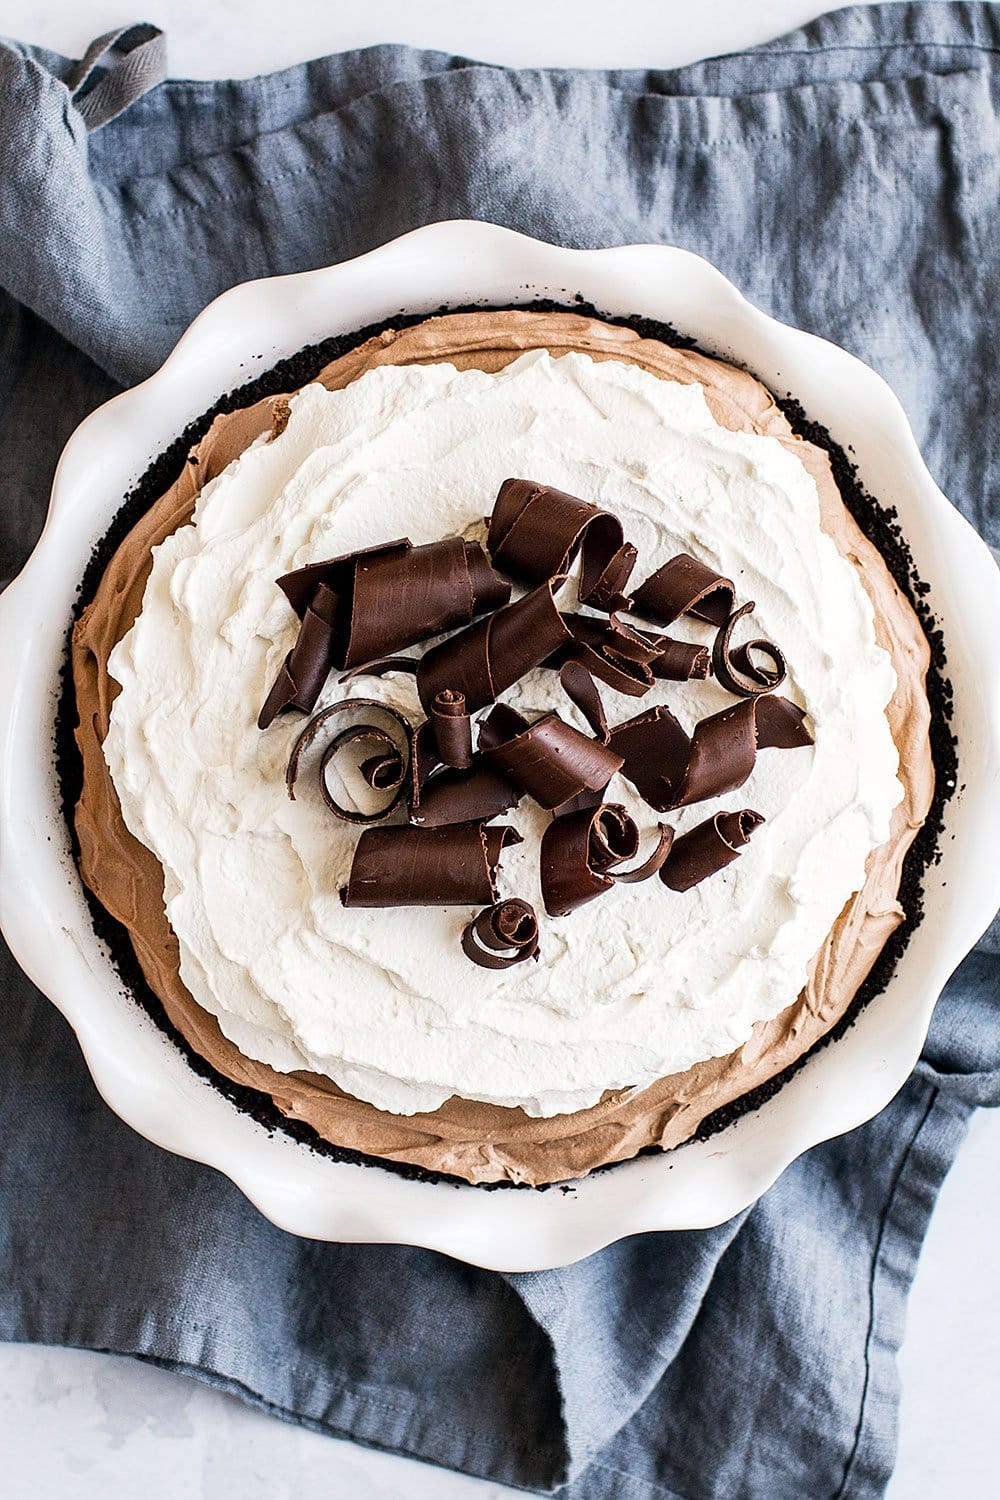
(641,984)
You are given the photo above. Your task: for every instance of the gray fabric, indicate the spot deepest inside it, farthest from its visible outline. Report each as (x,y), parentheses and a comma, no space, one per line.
(142,65)
(846,177)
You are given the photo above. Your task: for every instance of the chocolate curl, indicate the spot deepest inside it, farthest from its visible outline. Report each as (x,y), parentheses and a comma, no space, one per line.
(655,752)
(609,651)
(669,770)
(583,800)
(581,689)
(653,864)
(724,747)
(685,586)
(307,666)
(708,848)
(382,668)
(608,593)
(489,657)
(550,760)
(502,935)
(680,661)
(670,660)
(737,670)
(476,795)
(629,660)
(580,852)
(440,796)
(535,531)
(387,771)
(400,865)
(395,595)
(452,729)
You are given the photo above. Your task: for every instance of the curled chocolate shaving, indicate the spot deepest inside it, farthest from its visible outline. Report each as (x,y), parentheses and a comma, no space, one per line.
(581,850)
(608,593)
(475,795)
(452,728)
(653,863)
(685,586)
(737,670)
(627,659)
(441,794)
(609,651)
(670,770)
(549,759)
(581,689)
(724,747)
(307,666)
(535,531)
(374,602)
(384,771)
(654,750)
(708,848)
(680,661)
(388,770)
(486,659)
(502,935)
(399,865)
(395,595)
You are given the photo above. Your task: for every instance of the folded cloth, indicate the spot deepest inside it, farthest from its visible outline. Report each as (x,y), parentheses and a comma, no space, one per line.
(846,178)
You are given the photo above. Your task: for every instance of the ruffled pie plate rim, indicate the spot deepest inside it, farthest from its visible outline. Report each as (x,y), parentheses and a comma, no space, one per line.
(138,1069)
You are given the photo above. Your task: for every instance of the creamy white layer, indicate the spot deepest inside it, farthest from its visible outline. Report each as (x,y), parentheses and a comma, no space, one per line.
(640,984)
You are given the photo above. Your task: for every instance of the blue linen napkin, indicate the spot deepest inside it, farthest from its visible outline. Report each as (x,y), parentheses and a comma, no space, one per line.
(846,177)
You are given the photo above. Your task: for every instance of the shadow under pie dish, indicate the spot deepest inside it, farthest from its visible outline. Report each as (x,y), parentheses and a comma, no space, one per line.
(648,1010)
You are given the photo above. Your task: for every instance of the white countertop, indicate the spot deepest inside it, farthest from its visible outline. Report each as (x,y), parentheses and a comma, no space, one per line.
(81,1426)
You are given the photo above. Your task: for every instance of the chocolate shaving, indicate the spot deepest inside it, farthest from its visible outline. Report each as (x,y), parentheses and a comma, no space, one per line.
(708,848)
(670,770)
(374,602)
(655,751)
(307,666)
(685,586)
(549,759)
(587,799)
(399,865)
(581,850)
(651,865)
(629,660)
(535,531)
(608,593)
(490,656)
(382,667)
(737,670)
(452,729)
(442,794)
(609,651)
(724,747)
(581,689)
(680,661)
(502,935)
(388,770)
(475,795)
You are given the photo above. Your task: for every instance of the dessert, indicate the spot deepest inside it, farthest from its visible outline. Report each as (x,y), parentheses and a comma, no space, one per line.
(650,1005)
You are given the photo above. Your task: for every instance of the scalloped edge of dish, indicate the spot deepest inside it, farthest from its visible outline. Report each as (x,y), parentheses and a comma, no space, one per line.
(44,915)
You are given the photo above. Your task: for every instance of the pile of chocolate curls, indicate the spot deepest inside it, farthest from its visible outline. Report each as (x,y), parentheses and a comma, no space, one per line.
(433,841)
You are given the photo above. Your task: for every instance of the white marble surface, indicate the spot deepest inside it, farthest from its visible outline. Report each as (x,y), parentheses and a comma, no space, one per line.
(82,1426)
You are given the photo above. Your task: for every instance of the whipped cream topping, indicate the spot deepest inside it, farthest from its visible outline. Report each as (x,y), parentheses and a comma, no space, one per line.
(644,982)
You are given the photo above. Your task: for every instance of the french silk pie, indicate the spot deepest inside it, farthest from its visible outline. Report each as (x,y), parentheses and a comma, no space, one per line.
(501,750)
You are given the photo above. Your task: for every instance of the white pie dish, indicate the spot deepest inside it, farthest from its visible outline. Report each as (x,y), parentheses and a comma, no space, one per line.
(139,1072)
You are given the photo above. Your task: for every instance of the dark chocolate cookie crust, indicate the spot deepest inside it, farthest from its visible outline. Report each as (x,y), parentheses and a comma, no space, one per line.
(878,521)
